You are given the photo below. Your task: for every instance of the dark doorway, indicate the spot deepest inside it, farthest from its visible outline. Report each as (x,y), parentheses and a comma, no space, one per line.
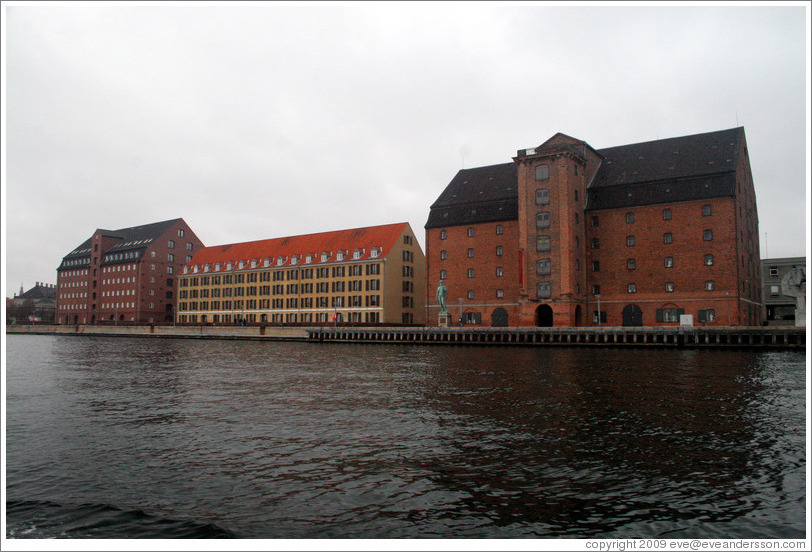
(499,317)
(578,321)
(632,316)
(544,316)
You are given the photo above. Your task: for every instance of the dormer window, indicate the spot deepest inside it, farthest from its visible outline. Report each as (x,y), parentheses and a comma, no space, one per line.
(241,265)
(280,261)
(309,258)
(267,261)
(357,254)
(324,257)
(217,267)
(253,263)
(230,265)
(340,256)
(294,260)
(374,253)
(195,269)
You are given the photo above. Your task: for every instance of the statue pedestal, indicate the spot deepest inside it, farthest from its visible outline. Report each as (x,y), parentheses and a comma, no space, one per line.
(443,319)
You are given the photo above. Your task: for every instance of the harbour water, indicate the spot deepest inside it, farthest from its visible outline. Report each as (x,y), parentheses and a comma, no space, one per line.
(141,438)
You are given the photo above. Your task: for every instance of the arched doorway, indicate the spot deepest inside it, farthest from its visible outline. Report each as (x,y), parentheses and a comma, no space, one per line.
(632,315)
(578,321)
(544,316)
(499,317)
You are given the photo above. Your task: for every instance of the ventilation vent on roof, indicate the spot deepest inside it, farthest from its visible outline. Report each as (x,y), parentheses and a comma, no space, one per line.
(710,162)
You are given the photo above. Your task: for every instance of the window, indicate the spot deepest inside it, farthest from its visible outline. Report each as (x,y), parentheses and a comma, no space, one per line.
(180,233)
(706,210)
(669,287)
(470,294)
(773,272)
(596,266)
(543,266)
(708,260)
(709,285)
(171,244)
(596,243)
(473,318)
(629,218)
(170,257)
(470,232)
(543,243)
(470,252)
(669,262)
(443,234)
(666,214)
(542,220)
(593,220)
(543,290)
(596,289)
(631,288)
(499,230)
(669,315)
(543,172)
(443,275)
(629,241)
(498,250)
(775,290)
(470,272)
(576,218)
(668,238)
(189,246)
(499,272)
(595,316)
(630,264)
(707,315)
(443,255)
(707,235)
(542,196)
(500,293)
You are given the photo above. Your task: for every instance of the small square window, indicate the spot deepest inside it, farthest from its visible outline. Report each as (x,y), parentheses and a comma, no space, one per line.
(443,255)
(470,272)
(707,235)
(542,196)
(596,243)
(706,210)
(631,288)
(499,230)
(773,272)
(542,220)
(594,221)
(668,238)
(499,250)
(631,264)
(499,272)
(543,290)
(470,232)
(709,285)
(629,241)
(629,218)
(500,293)
(669,262)
(708,260)
(669,287)
(596,266)
(470,294)
(596,289)
(666,214)
(775,290)
(470,252)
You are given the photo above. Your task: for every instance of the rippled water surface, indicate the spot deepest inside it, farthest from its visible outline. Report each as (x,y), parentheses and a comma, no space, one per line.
(139,438)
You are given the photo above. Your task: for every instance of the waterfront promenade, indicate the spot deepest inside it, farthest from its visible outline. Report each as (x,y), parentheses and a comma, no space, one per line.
(786,337)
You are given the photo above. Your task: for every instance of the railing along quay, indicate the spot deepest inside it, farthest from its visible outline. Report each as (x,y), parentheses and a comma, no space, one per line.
(746,337)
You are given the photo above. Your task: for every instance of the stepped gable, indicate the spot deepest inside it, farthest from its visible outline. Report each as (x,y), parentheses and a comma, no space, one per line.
(664,171)
(383,237)
(482,194)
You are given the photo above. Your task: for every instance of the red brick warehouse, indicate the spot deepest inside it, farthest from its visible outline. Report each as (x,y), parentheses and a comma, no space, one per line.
(648,231)
(126,276)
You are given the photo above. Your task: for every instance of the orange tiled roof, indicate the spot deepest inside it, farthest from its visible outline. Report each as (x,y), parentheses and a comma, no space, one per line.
(280,251)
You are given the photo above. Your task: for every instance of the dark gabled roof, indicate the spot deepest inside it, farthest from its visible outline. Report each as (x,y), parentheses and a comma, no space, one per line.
(671,158)
(482,194)
(135,237)
(39,292)
(686,168)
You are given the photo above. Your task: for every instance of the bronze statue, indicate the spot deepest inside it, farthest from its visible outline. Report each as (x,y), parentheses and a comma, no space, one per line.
(441,294)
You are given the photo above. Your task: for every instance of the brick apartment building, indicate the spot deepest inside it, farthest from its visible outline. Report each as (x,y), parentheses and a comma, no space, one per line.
(372,275)
(125,276)
(566,235)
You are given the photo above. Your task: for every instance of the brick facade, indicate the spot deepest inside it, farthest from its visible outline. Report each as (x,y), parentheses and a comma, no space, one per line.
(126,276)
(652,230)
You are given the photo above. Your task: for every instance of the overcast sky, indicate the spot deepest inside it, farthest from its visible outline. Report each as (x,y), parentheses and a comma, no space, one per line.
(260,120)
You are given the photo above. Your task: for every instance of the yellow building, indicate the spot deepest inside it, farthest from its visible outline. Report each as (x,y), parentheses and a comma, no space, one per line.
(374,275)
